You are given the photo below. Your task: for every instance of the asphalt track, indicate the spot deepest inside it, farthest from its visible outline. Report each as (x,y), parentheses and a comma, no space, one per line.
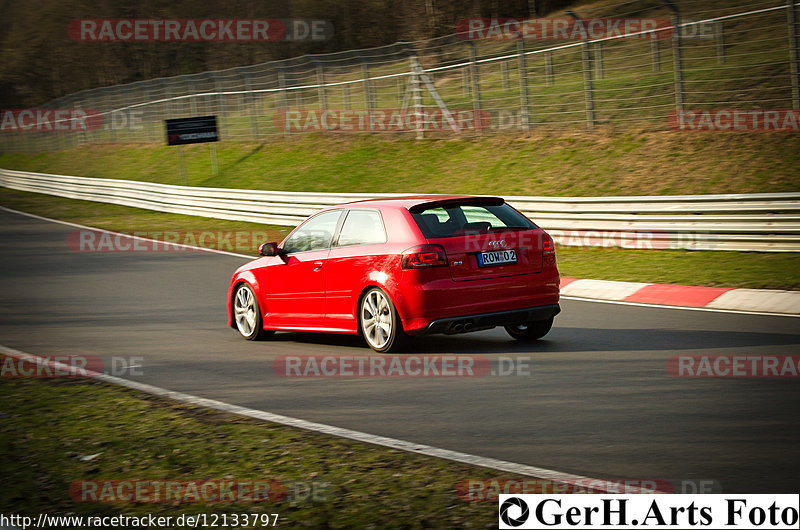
(598,401)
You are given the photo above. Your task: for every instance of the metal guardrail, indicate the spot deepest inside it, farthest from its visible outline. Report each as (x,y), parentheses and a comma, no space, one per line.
(757,222)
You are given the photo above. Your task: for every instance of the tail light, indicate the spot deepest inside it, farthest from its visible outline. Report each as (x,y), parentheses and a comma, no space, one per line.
(548,247)
(424,256)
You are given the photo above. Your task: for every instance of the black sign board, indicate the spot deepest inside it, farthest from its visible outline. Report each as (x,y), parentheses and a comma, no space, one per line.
(182,131)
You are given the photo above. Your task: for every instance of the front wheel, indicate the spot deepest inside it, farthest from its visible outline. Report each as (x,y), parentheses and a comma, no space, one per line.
(380,322)
(247,314)
(528,331)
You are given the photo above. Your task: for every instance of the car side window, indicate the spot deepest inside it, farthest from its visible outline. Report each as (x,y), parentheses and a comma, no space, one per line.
(314,234)
(362,227)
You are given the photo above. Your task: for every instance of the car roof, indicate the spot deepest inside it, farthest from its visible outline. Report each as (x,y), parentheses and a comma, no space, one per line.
(409,201)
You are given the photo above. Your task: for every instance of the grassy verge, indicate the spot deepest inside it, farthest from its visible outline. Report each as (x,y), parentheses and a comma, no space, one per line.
(731,269)
(561,163)
(50,424)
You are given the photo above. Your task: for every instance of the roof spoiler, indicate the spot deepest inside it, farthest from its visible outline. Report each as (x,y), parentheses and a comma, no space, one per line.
(472,201)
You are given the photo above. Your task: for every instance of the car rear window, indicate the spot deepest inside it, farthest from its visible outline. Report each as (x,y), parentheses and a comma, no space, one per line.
(452,220)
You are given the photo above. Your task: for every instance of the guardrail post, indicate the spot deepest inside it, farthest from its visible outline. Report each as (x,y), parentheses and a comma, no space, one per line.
(504,73)
(476,84)
(677,55)
(525,117)
(587,74)
(794,61)
(719,33)
(465,82)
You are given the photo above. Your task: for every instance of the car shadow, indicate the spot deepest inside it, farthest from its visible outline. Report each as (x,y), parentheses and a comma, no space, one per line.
(562,339)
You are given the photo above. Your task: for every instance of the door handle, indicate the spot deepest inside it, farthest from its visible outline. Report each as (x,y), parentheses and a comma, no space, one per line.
(317,265)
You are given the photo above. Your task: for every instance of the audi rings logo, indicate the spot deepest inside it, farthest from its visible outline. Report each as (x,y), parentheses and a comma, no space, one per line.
(523,511)
(497,243)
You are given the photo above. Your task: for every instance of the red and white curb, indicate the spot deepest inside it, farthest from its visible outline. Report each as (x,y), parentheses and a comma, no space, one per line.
(717,298)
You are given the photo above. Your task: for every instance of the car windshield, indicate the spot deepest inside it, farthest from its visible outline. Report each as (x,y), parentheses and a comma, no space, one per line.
(452,220)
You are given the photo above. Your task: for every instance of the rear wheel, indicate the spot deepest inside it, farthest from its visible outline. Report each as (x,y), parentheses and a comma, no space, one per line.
(247,314)
(380,322)
(528,331)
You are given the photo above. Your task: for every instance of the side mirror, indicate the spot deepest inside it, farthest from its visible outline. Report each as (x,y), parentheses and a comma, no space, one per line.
(269,249)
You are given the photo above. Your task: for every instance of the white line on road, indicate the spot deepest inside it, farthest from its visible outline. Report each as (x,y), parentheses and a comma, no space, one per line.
(393,443)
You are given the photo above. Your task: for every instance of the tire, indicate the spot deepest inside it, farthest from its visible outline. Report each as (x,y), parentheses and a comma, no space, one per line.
(247,314)
(529,331)
(383,334)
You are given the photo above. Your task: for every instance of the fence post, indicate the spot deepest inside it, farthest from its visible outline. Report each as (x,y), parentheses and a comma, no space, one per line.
(598,59)
(504,72)
(794,61)
(523,86)
(323,103)
(587,74)
(401,90)
(719,33)
(677,55)
(476,85)
(548,68)
(416,96)
(368,96)
(346,95)
(221,110)
(284,97)
(111,92)
(655,53)
(465,82)
(250,96)
(192,99)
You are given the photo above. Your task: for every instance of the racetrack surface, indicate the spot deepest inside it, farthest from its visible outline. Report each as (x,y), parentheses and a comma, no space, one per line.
(598,401)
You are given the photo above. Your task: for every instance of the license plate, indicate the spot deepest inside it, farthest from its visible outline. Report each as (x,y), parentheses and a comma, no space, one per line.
(497,257)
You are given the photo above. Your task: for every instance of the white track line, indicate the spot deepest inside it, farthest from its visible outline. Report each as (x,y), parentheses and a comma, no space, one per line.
(205,249)
(393,443)
(93,229)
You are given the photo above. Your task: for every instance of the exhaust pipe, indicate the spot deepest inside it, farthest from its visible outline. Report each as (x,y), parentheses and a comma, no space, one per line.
(468,326)
(457,328)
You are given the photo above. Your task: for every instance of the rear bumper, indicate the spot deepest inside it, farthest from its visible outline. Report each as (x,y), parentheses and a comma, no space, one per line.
(468,323)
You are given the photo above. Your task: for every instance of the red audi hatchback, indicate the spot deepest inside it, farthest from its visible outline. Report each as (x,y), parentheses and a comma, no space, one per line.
(389,269)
